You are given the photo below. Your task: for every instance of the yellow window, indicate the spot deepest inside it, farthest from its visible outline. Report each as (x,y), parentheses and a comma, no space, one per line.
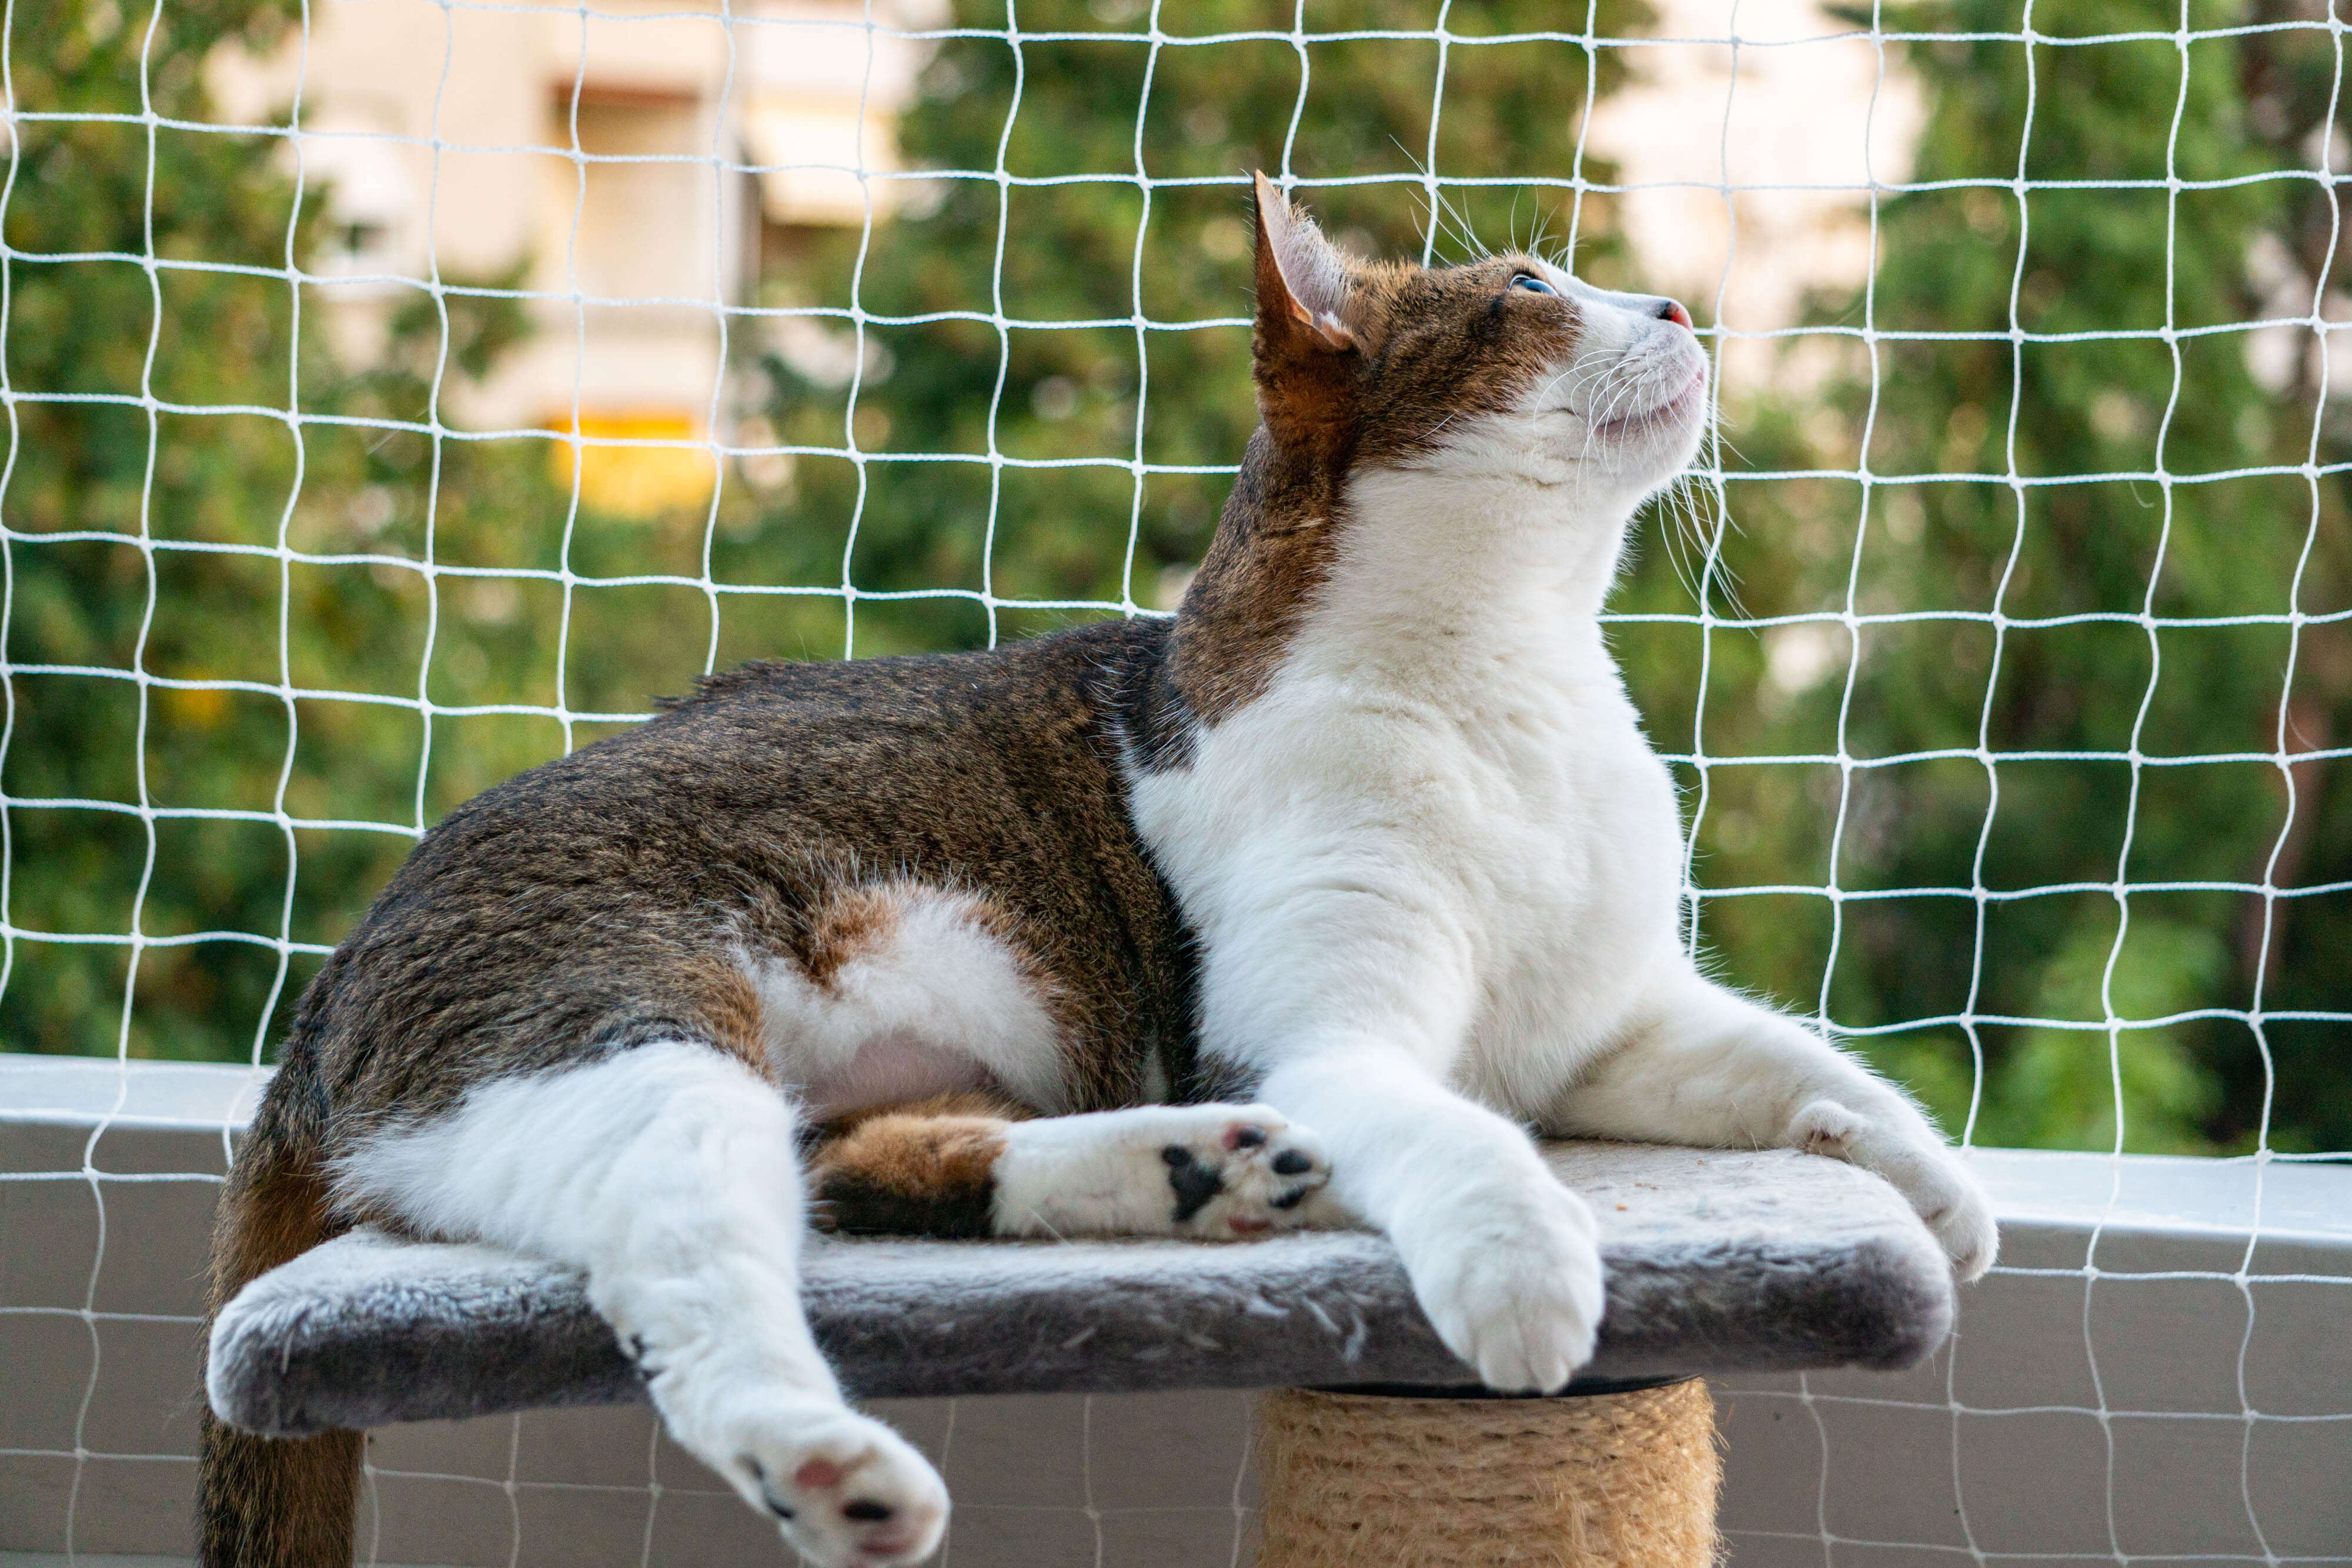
(629,465)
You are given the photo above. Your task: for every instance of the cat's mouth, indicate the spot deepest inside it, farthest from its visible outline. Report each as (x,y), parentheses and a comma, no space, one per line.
(1671,411)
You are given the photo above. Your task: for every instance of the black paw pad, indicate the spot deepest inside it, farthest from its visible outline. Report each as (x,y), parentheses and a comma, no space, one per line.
(1177,1155)
(865,1511)
(1290,1162)
(1194,1183)
(760,1476)
(1248,1137)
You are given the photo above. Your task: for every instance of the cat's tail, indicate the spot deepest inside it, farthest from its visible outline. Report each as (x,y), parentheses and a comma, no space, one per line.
(275,1502)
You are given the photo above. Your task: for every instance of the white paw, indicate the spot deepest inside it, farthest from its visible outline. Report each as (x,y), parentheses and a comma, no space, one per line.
(1512,1282)
(1236,1172)
(1220,1172)
(1964,1224)
(1918,1165)
(845,1491)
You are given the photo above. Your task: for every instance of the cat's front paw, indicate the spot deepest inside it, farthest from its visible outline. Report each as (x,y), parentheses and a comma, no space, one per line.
(1512,1283)
(1916,1164)
(844,1491)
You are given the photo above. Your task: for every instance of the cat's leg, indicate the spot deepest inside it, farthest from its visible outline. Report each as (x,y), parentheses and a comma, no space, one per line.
(1503,1258)
(963,1166)
(668,1174)
(1342,982)
(1707,1066)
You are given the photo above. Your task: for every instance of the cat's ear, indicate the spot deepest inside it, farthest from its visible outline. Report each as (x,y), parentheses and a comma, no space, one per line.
(1302,281)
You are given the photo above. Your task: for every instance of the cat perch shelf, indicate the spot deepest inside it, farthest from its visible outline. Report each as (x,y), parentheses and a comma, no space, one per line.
(1718,1262)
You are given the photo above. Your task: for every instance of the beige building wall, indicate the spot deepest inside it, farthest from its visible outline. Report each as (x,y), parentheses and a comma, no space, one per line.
(617,165)
(1755,163)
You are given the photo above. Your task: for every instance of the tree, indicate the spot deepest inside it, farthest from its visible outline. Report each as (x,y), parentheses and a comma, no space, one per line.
(2296,105)
(2127,453)
(1092,250)
(144,544)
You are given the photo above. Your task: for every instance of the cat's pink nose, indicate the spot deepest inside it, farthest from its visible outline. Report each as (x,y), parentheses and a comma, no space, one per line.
(1671,310)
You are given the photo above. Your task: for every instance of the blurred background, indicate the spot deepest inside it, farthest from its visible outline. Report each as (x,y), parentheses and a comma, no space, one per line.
(400,393)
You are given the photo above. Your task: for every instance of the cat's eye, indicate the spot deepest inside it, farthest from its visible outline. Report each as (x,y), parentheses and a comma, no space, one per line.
(1532,284)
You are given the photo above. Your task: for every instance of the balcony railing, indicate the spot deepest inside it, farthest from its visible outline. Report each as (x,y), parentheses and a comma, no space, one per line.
(2160,1369)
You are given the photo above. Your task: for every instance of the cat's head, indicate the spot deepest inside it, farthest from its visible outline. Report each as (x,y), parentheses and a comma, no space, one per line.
(1506,367)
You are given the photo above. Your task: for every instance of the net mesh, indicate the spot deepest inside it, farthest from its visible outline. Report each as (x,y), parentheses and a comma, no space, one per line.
(710,288)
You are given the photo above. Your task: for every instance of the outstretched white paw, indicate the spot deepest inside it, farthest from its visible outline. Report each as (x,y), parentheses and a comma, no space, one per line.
(1237,1171)
(1219,1173)
(1916,1164)
(845,1491)
(1511,1281)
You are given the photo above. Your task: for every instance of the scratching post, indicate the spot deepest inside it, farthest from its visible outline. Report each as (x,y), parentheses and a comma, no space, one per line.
(1597,1481)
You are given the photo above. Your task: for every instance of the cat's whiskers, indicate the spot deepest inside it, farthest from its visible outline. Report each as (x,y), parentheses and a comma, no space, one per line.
(1536,242)
(1618,395)
(1574,368)
(1590,385)
(1692,542)
(1582,381)
(1681,530)
(1539,405)
(1442,208)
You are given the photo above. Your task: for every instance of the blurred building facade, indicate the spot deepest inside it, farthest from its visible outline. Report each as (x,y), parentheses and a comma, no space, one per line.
(625,165)
(1751,163)
(621,165)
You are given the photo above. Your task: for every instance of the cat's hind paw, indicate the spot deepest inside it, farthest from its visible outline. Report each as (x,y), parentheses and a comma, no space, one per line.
(1217,1173)
(1240,1172)
(844,1491)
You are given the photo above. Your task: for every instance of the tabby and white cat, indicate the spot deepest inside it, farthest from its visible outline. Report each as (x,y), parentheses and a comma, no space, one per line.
(1368,835)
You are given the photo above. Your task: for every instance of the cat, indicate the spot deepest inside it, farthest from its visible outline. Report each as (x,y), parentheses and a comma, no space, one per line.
(1302,908)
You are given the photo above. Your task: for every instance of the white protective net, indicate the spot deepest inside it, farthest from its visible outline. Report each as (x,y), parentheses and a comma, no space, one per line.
(683,167)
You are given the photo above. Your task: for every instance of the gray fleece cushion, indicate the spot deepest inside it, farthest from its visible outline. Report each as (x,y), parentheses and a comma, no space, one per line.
(1718,1262)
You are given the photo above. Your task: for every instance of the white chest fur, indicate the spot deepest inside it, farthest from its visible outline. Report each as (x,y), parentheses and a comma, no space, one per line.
(1440,824)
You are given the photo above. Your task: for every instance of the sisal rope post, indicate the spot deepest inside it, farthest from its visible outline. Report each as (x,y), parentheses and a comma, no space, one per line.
(1600,1481)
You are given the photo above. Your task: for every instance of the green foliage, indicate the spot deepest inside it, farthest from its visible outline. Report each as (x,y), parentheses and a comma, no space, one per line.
(144,542)
(1093,250)
(2056,1089)
(2068,556)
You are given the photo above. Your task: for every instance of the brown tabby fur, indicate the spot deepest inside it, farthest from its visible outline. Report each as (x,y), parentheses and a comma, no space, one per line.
(924,1169)
(274,1209)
